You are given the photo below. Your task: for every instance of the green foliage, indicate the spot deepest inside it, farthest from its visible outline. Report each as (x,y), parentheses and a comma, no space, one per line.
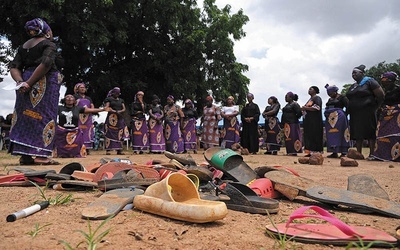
(92,237)
(360,245)
(37,229)
(159,47)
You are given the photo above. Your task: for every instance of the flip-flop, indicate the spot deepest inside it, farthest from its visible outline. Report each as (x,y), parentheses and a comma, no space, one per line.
(110,203)
(49,162)
(176,197)
(71,167)
(113,167)
(287,183)
(124,179)
(263,169)
(231,164)
(335,233)
(70,185)
(243,198)
(185,159)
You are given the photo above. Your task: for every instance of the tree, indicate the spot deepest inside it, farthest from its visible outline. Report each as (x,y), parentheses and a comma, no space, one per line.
(160,47)
(376,71)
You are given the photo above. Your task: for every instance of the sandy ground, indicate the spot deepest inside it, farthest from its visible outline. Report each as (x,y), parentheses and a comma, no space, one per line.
(133,229)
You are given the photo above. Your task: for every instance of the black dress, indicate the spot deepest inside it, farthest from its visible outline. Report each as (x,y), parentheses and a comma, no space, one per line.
(362,110)
(313,126)
(250,137)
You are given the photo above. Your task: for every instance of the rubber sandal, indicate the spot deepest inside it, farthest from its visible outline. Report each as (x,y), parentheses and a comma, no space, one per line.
(176,197)
(243,198)
(336,233)
(263,169)
(110,203)
(185,159)
(232,164)
(124,179)
(49,162)
(263,187)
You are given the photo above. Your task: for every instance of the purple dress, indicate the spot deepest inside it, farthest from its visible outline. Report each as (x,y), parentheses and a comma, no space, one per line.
(231,129)
(189,129)
(140,133)
(115,129)
(86,121)
(35,112)
(291,128)
(156,130)
(173,134)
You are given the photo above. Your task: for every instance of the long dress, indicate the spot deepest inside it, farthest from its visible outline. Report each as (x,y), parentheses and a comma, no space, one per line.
(35,113)
(313,126)
(69,139)
(291,127)
(250,136)
(362,106)
(189,129)
(387,146)
(337,126)
(210,135)
(140,131)
(115,129)
(156,130)
(272,128)
(86,120)
(231,129)
(173,134)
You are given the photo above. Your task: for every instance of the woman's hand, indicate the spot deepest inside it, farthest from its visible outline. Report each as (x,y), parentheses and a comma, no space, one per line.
(24,87)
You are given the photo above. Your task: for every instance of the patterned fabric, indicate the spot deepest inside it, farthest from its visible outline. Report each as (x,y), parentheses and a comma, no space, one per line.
(210,135)
(86,121)
(140,135)
(189,134)
(273,129)
(231,129)
(172,132)
(69,143)
(34,118)
(337,130)
(156,135)
(293,138)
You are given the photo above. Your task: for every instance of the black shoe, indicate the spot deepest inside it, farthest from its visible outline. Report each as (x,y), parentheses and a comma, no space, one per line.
(274,152)
(333,155)
(267,153)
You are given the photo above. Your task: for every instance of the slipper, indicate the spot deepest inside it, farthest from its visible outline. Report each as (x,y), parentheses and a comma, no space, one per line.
(263,187)
(74,185)
(39,173)
(113,167)
(366,184)
(56,177)
(291,186)
(176,197)
(71,167)
(260,171)
(110,203)
(26,160)
(336,233)
(231,163)
(20,180)
(124,179)
(243,198)
(185,159)
(47,162)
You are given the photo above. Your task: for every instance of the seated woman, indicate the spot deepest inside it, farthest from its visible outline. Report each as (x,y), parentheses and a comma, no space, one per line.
(69,137)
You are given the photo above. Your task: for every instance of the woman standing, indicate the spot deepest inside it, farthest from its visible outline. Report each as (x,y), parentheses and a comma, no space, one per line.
(115,128)
(336,123)
(173,134)
(250,116)
(388,134)
(209,120)
(272,127)
(69,139)
(231,129)
(188,124)
(365,97)
(35,71)
(312,123)
(85,119)
(290,120)
(156,128)
(140,132)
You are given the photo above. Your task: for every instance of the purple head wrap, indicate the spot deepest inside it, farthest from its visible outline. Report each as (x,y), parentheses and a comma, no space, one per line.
(188,101)
(331,89)
(389,76)
(37,27)
(115,90)
(76,87)
(171,97)
(250,94)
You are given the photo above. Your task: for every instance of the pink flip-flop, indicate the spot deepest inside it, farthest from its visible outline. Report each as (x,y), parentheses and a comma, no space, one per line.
(335,233)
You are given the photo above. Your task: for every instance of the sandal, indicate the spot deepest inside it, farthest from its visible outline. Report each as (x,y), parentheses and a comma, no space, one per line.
(46,162)
(26,160)
(370,158)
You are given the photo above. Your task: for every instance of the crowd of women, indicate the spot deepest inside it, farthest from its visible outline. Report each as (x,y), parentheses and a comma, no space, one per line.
(40,127)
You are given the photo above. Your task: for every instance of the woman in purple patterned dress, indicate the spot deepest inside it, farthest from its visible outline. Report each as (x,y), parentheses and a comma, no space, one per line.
(140,131)
(156,128)
(173,134)
(231,129)
(35,68)
(85,119)
(188,124)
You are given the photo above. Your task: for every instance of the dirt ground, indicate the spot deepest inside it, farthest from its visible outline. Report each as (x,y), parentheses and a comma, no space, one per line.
(133,229)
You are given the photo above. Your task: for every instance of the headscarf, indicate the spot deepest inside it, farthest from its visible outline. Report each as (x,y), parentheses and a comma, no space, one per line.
(138,93)
(188,101)
(250,94)
(331,88)
(360,68)
(37,27)
(115,90)
(389,76)
(209,98)
(171,97)
(76,87)
(316,89)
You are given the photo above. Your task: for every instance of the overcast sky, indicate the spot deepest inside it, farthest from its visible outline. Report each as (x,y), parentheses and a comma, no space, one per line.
(291,45)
